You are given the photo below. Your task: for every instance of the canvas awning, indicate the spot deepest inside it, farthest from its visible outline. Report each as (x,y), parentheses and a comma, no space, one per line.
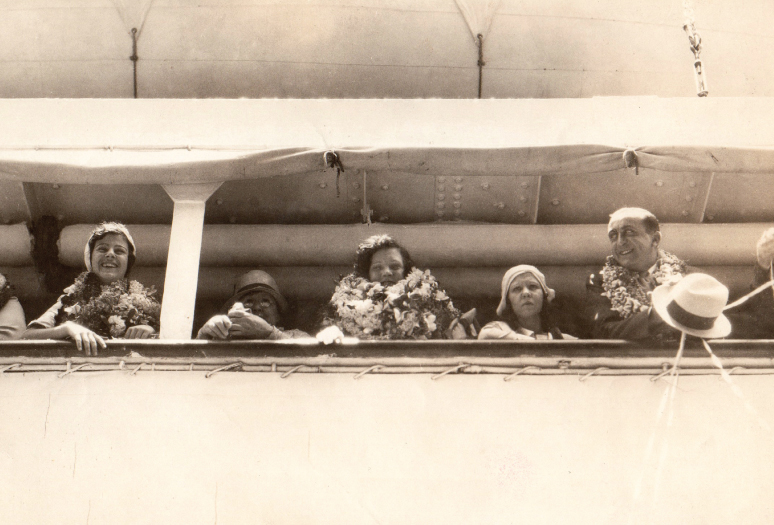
(199,141)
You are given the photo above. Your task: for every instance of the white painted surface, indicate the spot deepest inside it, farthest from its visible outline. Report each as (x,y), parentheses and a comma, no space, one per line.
(174,447)
(182,273)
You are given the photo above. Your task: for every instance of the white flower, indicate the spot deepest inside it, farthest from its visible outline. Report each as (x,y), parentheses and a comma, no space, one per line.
(430,322)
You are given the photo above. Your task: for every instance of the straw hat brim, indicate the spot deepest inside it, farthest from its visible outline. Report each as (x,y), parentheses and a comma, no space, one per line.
(660,299)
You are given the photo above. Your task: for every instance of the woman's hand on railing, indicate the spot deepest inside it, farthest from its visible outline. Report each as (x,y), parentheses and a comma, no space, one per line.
(331,335)
(142,331)
(216,327)
(245,325)
(85,340)
(465,326)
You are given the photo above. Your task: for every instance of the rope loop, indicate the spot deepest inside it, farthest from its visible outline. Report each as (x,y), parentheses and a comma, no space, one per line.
(368,371)
(223,368)
(133,372)
(631,160)
(71,370)
(458,368)
(523,370)
(9,367)
(601,368)
(291,371)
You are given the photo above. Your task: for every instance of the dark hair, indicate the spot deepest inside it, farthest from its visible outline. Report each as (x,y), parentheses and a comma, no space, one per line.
(649,220)
(548,316)
(105,229)
(367,249)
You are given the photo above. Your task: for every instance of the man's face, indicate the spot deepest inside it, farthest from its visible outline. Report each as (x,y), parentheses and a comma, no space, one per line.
(632,246)
(263,305)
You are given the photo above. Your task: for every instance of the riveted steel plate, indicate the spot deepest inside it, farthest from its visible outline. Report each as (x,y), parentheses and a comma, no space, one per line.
(308,198)
(92,203)
(591,198)
(738,197)
(398,197)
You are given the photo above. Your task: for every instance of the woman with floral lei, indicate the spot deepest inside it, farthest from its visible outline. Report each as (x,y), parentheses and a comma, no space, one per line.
(525,308)
(388,298)
(618,303)
(102,302)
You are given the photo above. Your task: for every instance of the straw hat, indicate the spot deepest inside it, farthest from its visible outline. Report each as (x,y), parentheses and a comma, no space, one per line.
(257,280)
(694,305)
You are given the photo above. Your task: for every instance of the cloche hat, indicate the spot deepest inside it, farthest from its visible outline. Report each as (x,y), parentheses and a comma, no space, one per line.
(104,229)
(514,272)
(257,280)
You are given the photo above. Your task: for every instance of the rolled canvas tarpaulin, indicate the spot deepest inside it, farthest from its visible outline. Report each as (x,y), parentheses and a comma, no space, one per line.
(15,245)
(318,282)
(112,447)
(430,245)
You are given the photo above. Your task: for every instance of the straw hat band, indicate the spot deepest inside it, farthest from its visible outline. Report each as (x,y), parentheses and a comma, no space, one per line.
(688,319)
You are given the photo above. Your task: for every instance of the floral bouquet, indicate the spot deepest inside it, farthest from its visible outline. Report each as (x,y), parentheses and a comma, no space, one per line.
(109,309)
(413,308)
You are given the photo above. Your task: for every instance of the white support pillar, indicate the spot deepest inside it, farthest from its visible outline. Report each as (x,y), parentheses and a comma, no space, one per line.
(185,244)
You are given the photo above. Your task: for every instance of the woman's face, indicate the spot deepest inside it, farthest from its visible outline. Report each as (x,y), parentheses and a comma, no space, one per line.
(110,257)
(263,305)
(386,266)
(525,296)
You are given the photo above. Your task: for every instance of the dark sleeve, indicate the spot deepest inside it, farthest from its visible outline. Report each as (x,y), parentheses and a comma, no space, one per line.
(606,323)
(755,318)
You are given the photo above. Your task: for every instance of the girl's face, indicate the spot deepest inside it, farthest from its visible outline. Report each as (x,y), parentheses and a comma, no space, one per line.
(110,258)
(525,296)
(386,266)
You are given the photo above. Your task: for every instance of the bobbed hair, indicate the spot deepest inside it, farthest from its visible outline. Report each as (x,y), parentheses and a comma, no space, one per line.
(367,249)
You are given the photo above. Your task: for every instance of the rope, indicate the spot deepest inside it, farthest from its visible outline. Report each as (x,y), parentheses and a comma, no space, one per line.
(221,369)
(134,58)
(457,368)
(292,370)
(601,368)
(368,370)
(366,212)
(137,369)
(734,387)
(9,367)
(744,299)
(513,375)
(631,160)
(664,371)
(481,63)
(71,370)
(332,160)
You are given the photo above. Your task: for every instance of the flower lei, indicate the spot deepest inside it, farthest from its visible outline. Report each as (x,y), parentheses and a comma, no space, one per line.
(623,288)
(109,309)
(413,308)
